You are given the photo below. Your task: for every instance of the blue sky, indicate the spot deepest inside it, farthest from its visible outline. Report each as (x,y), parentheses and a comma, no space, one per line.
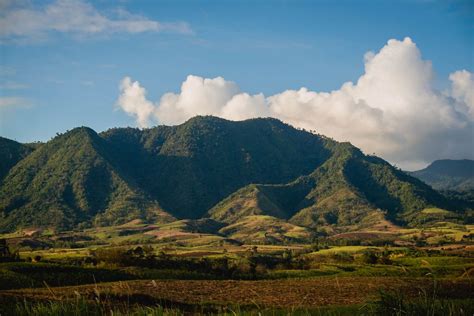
(60,79)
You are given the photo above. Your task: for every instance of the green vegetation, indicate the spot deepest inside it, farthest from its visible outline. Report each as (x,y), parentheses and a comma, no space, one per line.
(346,190)
(67,182)
(80,178)
(225,218)
(207,167)
(386,306)
(24,274)
(191,167)
(174,277)
(264,229)
(427,303)
(11,153)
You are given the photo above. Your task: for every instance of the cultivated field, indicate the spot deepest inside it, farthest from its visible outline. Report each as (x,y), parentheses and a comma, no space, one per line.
(140,269)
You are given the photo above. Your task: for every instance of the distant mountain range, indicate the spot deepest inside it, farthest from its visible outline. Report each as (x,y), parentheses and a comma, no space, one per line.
(258,170)
(446,174)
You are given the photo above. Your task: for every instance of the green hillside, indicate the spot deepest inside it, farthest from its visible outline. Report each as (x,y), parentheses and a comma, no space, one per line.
(69,181)
(11,153)
(206,167)
(191,167)
(343,191)
(264,229)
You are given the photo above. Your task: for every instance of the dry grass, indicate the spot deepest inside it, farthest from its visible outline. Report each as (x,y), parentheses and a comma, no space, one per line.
(305,293)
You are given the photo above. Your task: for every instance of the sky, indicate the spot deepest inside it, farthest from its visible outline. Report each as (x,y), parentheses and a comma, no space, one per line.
(392,77)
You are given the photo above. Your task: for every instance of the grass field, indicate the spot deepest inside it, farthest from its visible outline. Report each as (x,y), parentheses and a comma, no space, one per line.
(213,296)
(184,268)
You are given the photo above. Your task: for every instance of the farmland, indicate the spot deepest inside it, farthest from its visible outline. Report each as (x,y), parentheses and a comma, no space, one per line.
(212,295)
(169,269)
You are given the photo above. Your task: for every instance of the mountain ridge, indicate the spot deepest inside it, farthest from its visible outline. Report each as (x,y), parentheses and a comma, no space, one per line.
(11,153)
(448,174)
(206,166)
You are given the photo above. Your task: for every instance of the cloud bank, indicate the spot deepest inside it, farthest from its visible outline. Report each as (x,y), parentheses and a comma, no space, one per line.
(18,20)
(392,110)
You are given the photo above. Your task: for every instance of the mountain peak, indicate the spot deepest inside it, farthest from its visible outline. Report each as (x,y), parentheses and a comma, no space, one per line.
(448,174)
(184,171)
(82,131)
(205,118)
(452,167)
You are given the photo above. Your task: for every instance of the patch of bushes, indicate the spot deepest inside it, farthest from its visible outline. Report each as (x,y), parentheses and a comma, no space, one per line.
(23,274)
(396,303)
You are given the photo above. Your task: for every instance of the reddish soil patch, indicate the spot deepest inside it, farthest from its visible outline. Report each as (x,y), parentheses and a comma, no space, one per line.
(160,234)
(198,254)
(362,235)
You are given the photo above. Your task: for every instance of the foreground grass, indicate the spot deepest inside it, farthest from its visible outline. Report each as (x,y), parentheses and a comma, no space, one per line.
(83,307)
(292,296)
(395,303)
(340,280)
(389,303)
(17,275)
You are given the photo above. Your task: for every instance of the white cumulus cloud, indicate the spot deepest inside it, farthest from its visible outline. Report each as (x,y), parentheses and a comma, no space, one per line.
(75,16)
(133,101)
(392,110)
(463,91)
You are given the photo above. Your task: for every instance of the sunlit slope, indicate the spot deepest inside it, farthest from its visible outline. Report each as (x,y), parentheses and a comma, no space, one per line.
(72,180)
(343,191)
(191,167)
(206,167)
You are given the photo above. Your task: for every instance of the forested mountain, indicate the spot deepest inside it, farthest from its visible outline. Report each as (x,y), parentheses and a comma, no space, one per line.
(11,153)
(70,180)
(446,174)
(206,167)
(191,167)
(348,188)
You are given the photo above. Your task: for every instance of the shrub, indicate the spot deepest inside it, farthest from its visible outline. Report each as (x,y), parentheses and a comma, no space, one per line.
(369,257)
(342,257)
(396,303)
(111,255)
